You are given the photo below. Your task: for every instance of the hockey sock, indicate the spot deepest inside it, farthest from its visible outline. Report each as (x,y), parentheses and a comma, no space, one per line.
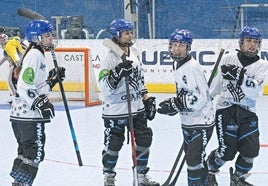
(25,173)
(16,163)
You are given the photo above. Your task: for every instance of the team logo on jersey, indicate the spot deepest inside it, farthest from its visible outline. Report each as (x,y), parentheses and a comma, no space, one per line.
(42,66)
(28,76)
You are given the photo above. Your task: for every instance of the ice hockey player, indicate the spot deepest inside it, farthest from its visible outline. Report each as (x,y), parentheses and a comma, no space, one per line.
(30,108)
(193,104)
(13,51)
(239,82)
(112,79)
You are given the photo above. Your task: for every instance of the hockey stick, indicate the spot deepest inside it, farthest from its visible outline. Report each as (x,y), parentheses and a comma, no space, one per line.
(29,14)
(111,45)
(173,183)
(213,73)
(67,111)
(168,182)
(34,15)
(173,167)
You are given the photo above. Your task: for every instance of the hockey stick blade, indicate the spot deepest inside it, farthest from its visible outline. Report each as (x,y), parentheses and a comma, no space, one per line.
(114,47)
(29,14)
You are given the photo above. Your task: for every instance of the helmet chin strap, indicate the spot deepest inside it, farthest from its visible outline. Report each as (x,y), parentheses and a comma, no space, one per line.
(49,47)
(121,44)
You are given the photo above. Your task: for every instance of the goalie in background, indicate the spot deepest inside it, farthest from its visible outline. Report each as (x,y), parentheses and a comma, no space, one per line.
(239,82)
(115,106)
(30,108)
(13,50)
(193,104)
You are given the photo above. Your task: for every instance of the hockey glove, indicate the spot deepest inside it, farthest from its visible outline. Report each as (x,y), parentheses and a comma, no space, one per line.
(233,72)
(43,106)
(120,71)
(55,75)
(150,108)
(237,92)
(183,99)
(170,106)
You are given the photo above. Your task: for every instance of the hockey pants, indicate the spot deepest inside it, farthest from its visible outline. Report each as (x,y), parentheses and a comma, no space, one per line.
(114,136)
(195,142)
(237,132)
(31,141)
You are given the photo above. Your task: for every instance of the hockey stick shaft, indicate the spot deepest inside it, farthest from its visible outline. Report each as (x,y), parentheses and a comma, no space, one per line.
(29,14)
(213,73)
(111,45)
(173,182)
(174,167)
(67,112)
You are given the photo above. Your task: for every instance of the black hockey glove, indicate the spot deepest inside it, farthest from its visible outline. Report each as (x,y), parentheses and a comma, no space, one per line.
(182,99)
(233,72)
(150,108)
(120,71)
(55,75)
(237,92)
(170,106)
(44,107)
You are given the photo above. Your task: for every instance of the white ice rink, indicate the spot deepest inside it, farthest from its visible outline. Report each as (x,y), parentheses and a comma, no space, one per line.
(60,167)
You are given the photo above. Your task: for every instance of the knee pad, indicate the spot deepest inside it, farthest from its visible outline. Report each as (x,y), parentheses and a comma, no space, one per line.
(250,150)
(144,137)
(114,139)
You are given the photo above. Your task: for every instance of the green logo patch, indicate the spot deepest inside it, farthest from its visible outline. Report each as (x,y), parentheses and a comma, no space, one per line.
(28,76)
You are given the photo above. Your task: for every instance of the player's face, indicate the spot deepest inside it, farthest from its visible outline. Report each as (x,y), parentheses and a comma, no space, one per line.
(179,49)
(126,36)
(47,39)
(250,45)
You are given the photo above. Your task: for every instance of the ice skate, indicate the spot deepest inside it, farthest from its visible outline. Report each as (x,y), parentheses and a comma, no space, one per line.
(238,181)
(109,179)
(145,180)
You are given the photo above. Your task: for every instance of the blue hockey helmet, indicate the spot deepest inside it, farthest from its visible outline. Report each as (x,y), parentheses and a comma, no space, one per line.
(36,28)
(117,26)
(181,36)
(249,32)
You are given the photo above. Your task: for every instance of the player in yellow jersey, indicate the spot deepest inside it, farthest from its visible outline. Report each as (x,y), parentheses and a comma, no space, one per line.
(13,51)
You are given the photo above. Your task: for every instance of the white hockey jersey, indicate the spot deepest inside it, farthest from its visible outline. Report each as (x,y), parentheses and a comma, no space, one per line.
(115,99)
(190,77)
(251,86)
(31,84)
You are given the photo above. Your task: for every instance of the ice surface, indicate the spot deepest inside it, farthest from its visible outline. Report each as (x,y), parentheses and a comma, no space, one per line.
(60,166)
